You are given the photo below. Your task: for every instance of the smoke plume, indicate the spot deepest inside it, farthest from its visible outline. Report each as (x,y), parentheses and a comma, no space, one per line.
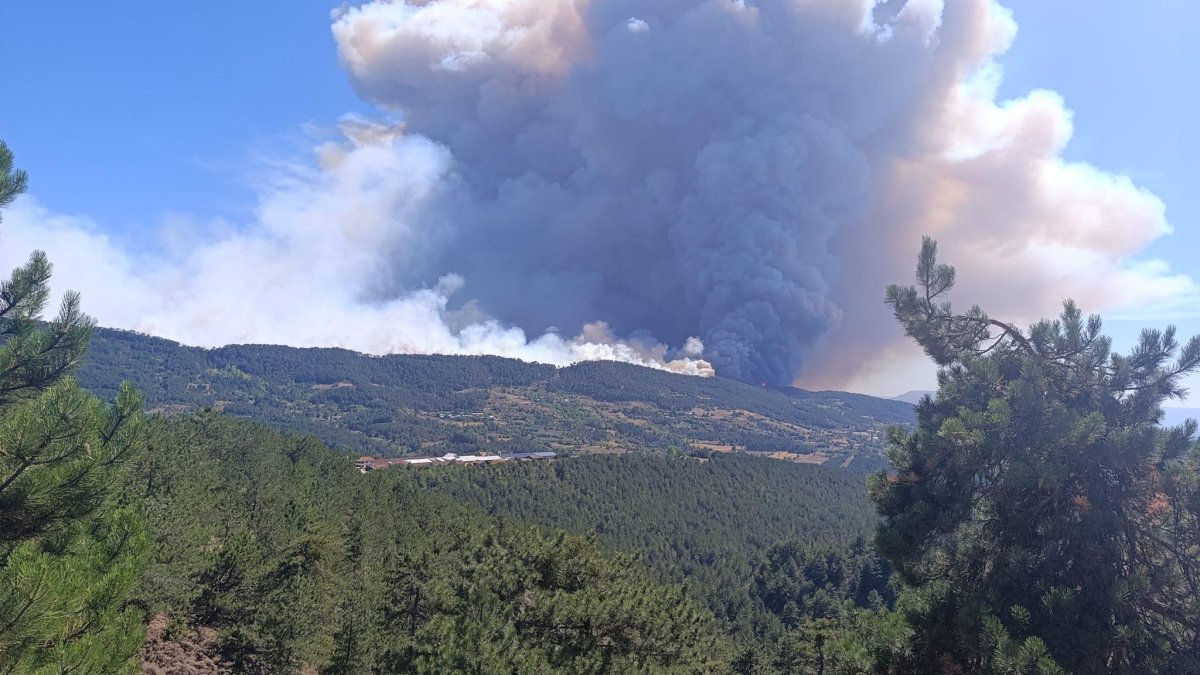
(752,172)
(737,179)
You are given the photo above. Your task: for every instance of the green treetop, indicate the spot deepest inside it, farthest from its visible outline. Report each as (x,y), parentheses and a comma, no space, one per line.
(1040,518)
(12,181)
(70,551)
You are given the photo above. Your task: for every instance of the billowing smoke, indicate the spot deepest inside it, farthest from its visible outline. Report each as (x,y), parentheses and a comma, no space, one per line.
(672,167)
(752,171)
(737,179)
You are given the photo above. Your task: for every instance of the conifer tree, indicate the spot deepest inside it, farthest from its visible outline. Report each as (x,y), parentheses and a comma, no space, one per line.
(12,181)
(1040,518)
(70,549)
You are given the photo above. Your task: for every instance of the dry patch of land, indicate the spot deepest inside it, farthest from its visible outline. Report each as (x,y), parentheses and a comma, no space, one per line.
(812,458)
(335,385)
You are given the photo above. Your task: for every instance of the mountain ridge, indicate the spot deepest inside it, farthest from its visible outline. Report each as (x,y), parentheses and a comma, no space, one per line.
(399,405)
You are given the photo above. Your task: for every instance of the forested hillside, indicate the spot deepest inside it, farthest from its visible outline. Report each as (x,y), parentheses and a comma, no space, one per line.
(407,404)
(1038,518)
(766,546)
(271,554)
(714,526)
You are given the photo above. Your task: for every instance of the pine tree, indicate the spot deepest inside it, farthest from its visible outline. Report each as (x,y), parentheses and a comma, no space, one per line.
(12,181)
(70,547)
(1039,516)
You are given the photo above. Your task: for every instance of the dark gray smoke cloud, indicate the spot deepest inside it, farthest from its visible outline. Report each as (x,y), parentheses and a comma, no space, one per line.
(751,171)
(633,173)
(669,167)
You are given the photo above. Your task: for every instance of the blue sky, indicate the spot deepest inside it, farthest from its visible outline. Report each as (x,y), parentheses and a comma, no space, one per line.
(1128,72)
(127,111)
(131,111)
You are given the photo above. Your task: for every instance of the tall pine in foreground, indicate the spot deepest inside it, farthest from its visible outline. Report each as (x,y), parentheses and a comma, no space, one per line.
(70,551)
(1040,518)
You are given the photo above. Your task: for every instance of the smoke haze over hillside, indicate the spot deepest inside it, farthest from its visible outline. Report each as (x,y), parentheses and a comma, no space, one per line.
(676,183)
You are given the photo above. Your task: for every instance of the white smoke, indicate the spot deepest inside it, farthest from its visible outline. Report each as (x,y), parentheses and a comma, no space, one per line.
(302,272)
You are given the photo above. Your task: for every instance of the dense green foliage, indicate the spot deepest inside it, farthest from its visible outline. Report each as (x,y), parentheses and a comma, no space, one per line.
(409,404)
(798,582)
(70,548)
(1041,519)
(744,534)
(297,559)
